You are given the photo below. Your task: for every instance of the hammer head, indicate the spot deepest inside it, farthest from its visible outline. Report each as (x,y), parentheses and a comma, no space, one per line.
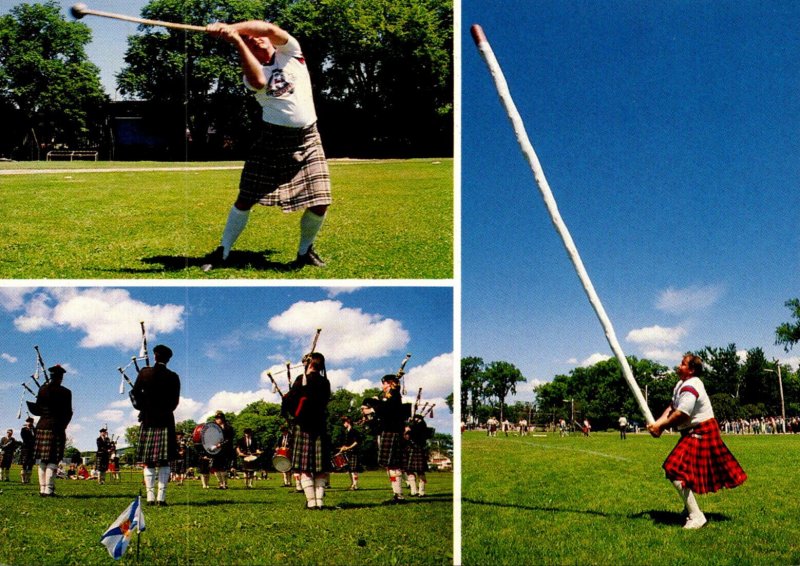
(78,11)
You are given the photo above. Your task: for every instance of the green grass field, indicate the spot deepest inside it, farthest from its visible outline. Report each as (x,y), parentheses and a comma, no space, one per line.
(600,500)
(265,525)
(389,220)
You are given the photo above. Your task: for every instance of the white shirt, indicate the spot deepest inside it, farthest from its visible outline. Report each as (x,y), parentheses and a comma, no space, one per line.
(287,99)
(690,397)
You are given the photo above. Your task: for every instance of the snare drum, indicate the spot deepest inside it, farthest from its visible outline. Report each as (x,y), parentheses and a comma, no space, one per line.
(339,461)
(251,458)
(209,436)
(281,461)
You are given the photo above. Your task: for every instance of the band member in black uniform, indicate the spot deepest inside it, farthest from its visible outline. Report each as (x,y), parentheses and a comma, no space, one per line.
(391,416)
(103,455)
(306,404)
(178,465)
(351,446)
(28,436)
(8,447)
(54,406)
(415,457)
(157,390)
(222,461)
(246,448)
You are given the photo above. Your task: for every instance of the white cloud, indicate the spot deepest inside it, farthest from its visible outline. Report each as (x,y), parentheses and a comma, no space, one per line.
(112,415)
(335,291)
(347,333)
(9,358)
(656,335)
(12,298)
(435,377)
(665,356)
(188,409)
(108,317)
(595,358)
(690,299)
(230,401)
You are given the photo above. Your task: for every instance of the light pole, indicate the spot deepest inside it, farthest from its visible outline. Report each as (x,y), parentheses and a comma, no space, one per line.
(780,387)
(572,413)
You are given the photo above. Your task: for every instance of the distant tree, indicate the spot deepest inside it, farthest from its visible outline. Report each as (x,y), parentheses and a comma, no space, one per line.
(501,380)
(471,385)
(788,333)
(722,373)
(132,438)
(49,90)
(73,455)
(449,401)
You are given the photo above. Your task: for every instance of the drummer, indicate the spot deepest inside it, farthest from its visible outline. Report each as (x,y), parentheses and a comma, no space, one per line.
(248,450)
(283,443)
(157,390)
(307,403)
(222,461)
(351,446)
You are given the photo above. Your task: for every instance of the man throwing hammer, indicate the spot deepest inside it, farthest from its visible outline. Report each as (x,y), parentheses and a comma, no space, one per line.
(286,166)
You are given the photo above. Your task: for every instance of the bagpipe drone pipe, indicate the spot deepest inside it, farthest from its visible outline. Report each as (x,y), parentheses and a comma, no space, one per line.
(144,355)
(293,400)
(39,373)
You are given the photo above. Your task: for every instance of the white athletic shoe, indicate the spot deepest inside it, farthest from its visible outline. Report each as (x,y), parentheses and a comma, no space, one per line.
(696,522)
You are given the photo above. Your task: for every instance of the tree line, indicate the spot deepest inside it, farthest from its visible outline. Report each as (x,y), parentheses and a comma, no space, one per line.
(748,386)
(382,73)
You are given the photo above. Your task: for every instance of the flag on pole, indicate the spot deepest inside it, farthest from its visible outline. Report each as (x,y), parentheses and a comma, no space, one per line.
(119,534)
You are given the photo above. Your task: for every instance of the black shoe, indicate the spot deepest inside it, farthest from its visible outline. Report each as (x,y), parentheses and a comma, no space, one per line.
(214,259)
(309,258)
(161,504)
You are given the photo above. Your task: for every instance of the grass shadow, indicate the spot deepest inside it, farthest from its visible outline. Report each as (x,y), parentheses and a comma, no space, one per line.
(240,259)
(660,517)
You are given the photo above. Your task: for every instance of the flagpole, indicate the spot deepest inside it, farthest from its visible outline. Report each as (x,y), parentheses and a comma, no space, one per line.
(138,527)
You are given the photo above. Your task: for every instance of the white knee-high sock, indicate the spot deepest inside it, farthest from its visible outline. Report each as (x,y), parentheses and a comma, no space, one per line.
(412,483)
(319,489)
(50,478)
(237,220)
(423,479)
(310,225)
(150,483)
(163,479)
(42,477)
(396,477)
(307,483)
(689,501)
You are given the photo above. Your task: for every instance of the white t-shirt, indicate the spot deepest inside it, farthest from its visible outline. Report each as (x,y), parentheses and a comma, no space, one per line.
(287,99)
(690,397)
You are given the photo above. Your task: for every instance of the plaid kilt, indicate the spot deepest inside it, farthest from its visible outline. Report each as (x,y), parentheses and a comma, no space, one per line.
(702,461)
(26,458)
(310,454)
(287,168)
(390,452)
(49,446)
(153,446)
(415,458)
(353,461)
(101,461)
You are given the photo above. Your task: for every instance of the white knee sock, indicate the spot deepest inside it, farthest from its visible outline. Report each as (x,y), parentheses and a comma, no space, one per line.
(422,481)
(163,479)
(237,220)
(307,483)
(42,478)
(150,483)
(412,483)
(689,501)
(50,478)
(319,489)
(310,225)
(396,477)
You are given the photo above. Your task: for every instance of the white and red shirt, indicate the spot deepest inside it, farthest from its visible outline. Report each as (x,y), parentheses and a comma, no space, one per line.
(287,99)
(690,397)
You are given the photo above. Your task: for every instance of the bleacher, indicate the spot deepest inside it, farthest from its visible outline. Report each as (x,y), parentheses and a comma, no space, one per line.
(71,155)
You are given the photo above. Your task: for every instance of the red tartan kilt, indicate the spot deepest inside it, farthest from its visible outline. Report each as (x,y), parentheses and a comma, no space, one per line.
(702,461)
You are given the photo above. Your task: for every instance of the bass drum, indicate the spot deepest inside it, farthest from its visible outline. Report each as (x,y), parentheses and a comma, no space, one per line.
(209,436)
(281,461)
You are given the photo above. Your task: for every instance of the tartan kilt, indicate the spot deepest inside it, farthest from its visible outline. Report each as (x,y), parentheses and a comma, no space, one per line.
(353,462)
(310,454)
(153,445)
(415,458)
(101,461)
(702,461)
(203,465)
(390,453)
(26,458)
(178,466)
(49,446)
(286,167)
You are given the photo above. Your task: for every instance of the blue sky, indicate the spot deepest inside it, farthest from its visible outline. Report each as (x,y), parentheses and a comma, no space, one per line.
(668,134)
(224,340)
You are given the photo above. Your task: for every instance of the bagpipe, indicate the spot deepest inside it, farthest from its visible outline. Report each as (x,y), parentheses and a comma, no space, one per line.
(417,430)
(370,417)
(39,373)
(143,355)
(291,403)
